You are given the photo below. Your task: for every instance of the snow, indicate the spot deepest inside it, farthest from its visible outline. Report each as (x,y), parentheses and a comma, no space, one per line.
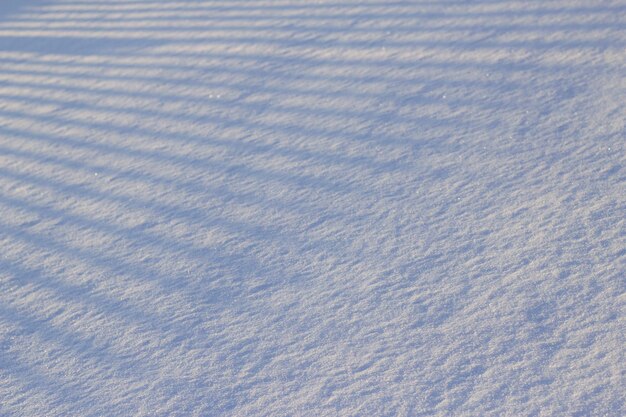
(297,208)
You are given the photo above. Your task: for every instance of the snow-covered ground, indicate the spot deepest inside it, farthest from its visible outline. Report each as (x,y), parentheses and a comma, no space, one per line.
(312,208)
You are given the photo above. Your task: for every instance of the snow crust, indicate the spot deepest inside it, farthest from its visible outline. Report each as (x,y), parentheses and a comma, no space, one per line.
(312,208)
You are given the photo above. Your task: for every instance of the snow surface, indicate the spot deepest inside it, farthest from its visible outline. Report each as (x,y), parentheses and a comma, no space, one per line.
(312,208)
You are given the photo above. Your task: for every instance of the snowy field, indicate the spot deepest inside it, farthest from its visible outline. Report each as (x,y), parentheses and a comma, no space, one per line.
(312,208)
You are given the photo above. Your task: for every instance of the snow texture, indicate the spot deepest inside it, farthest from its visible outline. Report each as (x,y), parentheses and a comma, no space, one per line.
(312,208)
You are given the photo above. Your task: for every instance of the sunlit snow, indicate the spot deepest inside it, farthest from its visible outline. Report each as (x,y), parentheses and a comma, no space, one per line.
(312,208)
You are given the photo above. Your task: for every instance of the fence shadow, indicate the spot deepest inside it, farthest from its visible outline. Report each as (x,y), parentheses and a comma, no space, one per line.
(175,175)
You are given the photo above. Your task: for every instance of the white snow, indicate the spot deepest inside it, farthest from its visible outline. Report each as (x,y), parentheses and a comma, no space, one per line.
(298,208)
